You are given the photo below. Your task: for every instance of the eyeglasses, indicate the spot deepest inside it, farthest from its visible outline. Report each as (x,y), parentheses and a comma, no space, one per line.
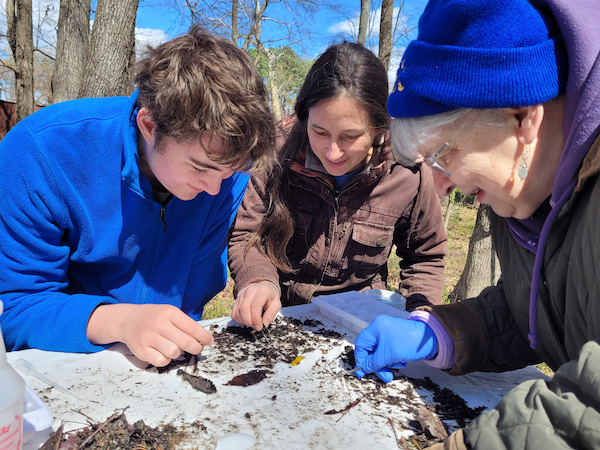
(430,161)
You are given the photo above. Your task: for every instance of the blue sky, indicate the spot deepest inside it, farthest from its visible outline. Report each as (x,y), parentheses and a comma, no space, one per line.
(157,21)
(156,24)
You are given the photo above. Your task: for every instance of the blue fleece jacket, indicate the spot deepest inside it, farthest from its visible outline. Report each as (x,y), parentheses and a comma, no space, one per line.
(79,227)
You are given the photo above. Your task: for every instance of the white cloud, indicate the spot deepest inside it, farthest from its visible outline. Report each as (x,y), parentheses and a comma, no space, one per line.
(145,37)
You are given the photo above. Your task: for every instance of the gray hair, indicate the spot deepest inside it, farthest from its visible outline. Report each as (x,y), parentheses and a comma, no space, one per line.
(409,134)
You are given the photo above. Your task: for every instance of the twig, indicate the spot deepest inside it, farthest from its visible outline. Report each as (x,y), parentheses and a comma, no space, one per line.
(351,405)
(345,410)
(403,425)
(101,427)
(394,430)
(84,415)
(416,444)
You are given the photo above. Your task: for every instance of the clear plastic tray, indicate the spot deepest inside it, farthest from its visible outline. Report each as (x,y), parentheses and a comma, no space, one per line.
(354,310)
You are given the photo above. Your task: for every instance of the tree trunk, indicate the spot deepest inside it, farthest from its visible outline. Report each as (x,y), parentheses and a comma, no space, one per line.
(273,86)
(19,32)
(385,32)
(11,25)
(108,61)
(22,36)
(364,21)
(234,21)
(448,210)
(482,268)
(72,38)
(127,80)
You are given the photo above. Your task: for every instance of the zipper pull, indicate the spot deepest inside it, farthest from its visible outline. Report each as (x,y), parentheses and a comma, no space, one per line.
(344,229)
(162,219)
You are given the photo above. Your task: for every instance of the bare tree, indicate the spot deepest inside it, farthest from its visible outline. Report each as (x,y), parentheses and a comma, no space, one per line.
(363,22)
(71,47)
(108,63)
(390,32)
(234,20)
(385,32)
(274,87)
(242,20)
(20,37)
(482,268)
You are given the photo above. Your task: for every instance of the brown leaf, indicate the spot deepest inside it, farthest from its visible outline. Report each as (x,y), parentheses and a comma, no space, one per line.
(431,423)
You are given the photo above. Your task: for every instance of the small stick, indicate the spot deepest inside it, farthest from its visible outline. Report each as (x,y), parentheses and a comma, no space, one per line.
(84,415)
(348,372)
(347,408)
(416,444)
(60,435)
(109,420)
(394,430)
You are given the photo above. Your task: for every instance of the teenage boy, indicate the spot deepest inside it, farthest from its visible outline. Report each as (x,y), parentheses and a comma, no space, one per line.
(114,212)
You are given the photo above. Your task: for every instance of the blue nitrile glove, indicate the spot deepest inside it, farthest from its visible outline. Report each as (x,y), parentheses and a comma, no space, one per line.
(389,342)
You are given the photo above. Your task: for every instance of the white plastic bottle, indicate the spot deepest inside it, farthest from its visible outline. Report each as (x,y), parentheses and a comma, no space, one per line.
(12,392)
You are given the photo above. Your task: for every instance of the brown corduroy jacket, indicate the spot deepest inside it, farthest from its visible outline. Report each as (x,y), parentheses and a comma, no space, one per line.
(342,240)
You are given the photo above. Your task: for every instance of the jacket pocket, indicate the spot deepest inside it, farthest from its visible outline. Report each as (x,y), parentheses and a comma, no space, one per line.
(371,245)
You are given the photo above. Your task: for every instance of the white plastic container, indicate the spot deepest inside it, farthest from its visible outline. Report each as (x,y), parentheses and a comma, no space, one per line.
(354,310)
(36,415)
(388,297)
(12,394)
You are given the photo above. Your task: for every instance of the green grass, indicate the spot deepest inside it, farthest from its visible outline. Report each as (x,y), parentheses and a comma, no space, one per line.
(221,305)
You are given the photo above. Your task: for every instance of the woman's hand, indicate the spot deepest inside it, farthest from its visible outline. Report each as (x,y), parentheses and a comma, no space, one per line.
(390,342)
(257,305)
(154,333)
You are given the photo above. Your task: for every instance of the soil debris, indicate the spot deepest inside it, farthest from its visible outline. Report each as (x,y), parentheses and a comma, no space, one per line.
(250,378)
(450,406)
(197,382)
(117,433)
(285,340)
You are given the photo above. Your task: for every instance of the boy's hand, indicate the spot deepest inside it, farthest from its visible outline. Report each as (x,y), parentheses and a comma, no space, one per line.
(257,305)
(154,333)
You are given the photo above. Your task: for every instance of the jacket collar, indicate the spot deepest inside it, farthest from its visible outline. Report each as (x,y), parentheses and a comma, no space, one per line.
(130,171)
(306,162)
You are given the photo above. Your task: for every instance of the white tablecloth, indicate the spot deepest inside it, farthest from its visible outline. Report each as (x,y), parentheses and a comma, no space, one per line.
(286,410)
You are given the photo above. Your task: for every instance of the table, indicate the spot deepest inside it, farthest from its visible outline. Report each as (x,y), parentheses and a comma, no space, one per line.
(285,410)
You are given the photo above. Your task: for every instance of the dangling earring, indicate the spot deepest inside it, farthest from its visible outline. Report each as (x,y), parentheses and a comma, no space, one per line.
(524,169)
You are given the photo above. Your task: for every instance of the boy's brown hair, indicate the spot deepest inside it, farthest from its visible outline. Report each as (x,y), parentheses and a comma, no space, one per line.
(199,83)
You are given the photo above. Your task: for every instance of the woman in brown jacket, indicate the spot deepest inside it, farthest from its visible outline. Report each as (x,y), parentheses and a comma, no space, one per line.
(326,219)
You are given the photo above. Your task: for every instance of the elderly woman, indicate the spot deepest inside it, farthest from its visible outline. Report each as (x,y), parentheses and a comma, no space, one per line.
(502,100)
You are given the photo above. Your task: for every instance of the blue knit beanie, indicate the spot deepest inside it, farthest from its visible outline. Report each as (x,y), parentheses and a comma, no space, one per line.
(480,54)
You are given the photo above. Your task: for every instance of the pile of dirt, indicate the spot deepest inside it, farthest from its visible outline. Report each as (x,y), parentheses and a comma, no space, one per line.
(116,434)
